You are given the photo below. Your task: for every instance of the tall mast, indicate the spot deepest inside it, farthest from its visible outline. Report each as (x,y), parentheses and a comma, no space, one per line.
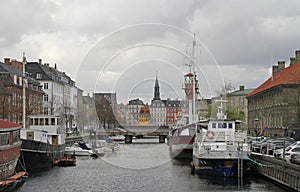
(24,91)
(194,80)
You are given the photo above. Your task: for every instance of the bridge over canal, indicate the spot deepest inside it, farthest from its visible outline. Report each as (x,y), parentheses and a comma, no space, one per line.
(138,131)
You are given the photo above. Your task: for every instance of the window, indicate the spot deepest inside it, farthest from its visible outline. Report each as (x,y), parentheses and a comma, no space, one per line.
(232,103)
(214,125)
(45,85)
(52,121)
(46,110)
(46,98)
(230,125)
(242,101)
(38,76)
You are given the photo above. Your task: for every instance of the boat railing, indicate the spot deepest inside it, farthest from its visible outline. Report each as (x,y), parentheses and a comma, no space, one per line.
(222,136)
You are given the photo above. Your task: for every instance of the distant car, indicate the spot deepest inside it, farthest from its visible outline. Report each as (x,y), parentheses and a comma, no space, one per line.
(278,152)
(295,158)
(295,150)
(275,145)
(268,146)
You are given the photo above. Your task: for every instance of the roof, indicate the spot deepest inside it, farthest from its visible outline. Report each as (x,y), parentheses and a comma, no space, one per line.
(6,124)
(287,76)
(241,92)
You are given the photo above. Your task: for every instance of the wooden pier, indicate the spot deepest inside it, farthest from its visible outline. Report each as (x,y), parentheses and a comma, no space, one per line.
(284,173)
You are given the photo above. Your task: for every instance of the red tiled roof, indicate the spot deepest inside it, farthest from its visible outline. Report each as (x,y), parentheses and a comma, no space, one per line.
(287,76)
(6,124)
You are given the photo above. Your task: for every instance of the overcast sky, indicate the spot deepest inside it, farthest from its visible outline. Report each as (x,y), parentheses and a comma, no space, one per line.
(120,46)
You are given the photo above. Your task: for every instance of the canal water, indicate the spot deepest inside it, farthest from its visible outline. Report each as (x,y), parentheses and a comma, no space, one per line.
(140,167)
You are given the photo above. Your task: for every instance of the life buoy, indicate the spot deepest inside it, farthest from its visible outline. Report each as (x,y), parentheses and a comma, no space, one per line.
(210,135)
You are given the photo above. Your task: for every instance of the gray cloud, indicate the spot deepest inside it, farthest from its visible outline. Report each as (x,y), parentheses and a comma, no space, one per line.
(240,40)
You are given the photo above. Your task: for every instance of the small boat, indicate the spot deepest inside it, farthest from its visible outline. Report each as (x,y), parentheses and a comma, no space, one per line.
(67,160)
(76,150)
(220,149)
(117,138)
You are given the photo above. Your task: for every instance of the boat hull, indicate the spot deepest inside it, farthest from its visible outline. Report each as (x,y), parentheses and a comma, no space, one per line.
(8,160)
(220,167)
(39,156)
(181,147)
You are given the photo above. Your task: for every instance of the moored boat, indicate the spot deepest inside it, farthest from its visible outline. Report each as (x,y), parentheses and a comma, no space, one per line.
(67,160)
(42,142)
(181,141)
(220,149)
(76,150)
(10,145)
(182,134)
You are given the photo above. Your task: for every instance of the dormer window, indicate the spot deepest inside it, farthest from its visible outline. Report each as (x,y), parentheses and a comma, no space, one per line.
(38,76)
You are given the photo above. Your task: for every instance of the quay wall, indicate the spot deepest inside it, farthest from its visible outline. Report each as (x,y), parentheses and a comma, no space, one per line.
(286,174)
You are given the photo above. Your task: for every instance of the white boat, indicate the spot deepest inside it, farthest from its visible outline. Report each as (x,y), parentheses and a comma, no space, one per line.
(75,149)
(220,149)
(117,138)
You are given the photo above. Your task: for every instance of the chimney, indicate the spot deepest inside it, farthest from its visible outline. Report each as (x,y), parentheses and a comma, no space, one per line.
(274,69)
(242,87)
(281,65)
(293,60)
(297,53)
(7,61)
(40,61)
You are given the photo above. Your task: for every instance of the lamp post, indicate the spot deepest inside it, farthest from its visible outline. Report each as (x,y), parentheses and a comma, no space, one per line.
(256,124)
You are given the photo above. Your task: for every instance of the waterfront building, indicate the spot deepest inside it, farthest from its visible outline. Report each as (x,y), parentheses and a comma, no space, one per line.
(61,93)
(134,106)
(157,107)
(274,107)
(11,97)
(238,103)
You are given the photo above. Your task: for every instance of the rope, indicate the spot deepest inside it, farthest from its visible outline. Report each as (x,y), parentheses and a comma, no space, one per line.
(22,163)
(260,164)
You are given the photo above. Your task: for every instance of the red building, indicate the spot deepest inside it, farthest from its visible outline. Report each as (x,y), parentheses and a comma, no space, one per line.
(11,92)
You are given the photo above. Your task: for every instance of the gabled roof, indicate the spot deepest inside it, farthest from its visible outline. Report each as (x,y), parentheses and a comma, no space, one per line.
(287,76)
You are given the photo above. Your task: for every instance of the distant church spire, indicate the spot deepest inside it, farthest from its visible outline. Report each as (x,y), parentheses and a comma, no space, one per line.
(156,90)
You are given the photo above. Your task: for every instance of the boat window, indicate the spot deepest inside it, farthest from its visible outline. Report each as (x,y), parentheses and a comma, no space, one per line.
(36,121)
(4,138)
(213,125)
(31,121)
(46,121)
(16,136)
(224,125)
(42,120)
(230,125)
(52,121)
(220,125)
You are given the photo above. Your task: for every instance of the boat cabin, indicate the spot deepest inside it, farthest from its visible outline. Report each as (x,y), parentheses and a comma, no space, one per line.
(46,128)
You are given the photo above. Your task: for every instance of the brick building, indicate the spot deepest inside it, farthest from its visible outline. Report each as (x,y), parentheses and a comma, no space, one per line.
(274,107)
(11,88)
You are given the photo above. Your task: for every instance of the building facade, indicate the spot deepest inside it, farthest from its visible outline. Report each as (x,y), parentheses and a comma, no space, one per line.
(61,93)
(11,97)
(274,107)
(238,102)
